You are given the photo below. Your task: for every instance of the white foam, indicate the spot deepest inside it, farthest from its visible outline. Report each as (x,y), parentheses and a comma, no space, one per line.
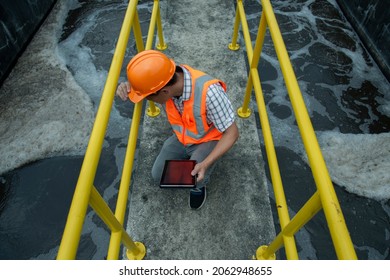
(359,162)
(44,112)
(80,59)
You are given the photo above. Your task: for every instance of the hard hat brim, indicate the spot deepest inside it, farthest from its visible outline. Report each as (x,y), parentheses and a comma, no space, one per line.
(135,98)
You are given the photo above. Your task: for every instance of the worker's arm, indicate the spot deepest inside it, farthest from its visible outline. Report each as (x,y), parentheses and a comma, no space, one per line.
(229,137)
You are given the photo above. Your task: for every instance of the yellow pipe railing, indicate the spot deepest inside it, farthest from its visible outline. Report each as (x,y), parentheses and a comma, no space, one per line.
(152,111)
(325,198)
(85,193)
(244,111)
(113,251)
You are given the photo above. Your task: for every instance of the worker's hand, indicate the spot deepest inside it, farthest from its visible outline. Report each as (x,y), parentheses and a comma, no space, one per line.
(199,171)
(123,90)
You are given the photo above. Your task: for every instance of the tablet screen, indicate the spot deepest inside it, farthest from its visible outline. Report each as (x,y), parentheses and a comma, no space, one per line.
(177,173)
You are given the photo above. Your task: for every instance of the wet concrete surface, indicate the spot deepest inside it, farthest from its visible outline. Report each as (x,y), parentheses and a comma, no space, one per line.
(236,217)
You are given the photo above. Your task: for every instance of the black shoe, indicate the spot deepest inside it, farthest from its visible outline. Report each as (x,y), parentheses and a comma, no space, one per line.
(197,198)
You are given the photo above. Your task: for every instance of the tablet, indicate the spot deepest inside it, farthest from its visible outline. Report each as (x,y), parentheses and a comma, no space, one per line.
(177,174)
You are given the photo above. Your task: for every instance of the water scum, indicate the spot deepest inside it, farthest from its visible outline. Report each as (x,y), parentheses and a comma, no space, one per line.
(356,159)
(43,110)
(360,162)
(38,123)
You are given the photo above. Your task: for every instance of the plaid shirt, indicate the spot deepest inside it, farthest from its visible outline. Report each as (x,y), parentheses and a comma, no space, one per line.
(219,110)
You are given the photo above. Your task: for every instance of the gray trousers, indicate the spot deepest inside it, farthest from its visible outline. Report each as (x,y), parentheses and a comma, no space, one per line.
(173,149)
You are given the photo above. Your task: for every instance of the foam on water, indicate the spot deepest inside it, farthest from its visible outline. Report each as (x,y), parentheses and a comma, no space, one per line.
(360,162)
(80,58)
(357,161)
(46,113)
(58,119)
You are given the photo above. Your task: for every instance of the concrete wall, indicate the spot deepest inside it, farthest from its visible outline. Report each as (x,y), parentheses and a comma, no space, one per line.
(19,19)
(371,19)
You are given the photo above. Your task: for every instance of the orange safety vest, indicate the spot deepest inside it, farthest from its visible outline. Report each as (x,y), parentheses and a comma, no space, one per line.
(191,127)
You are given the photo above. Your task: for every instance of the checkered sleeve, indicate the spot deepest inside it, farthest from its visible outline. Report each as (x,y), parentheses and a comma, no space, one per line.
(219,108)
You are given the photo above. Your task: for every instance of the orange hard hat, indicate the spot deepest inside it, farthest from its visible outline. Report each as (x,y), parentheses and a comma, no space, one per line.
(148,72)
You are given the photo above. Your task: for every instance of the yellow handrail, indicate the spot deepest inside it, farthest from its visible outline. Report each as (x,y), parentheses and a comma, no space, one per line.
(325,197)
(85,193)
(244,111)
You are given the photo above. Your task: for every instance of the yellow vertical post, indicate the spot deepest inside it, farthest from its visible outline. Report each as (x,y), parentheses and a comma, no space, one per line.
(259,41)
(233,45)
(152,25)
(152,110)
(244,111)
(161,43)
(245,31)
(138,33)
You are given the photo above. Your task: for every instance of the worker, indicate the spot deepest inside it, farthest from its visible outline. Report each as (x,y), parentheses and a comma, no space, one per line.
(197,107)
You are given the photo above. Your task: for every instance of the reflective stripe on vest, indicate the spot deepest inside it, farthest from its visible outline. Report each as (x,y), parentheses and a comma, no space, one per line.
(197,109)
(197,118)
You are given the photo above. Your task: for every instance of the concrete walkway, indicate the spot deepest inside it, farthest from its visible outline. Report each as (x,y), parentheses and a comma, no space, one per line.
(236,218)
